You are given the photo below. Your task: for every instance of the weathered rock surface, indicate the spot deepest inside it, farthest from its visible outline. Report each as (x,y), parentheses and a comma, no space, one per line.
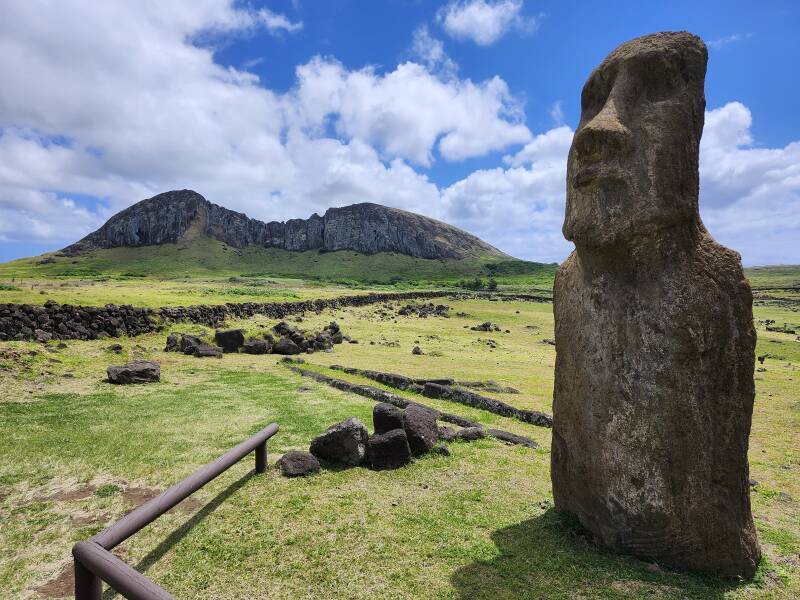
(386,417)
(343,443)
(654,331)
(136,371)
(286,346)
(297,463)
(420,425)
(253,346)
(388,450)
(367,228)
(230,340)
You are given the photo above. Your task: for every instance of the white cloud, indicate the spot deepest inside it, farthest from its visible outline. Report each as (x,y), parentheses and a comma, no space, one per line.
(430,52)
(277,23)
(409,112)
(484,21)
(749,196)
(728,39)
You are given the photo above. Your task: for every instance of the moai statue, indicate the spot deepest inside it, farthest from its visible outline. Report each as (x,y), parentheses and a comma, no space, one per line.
(654,327)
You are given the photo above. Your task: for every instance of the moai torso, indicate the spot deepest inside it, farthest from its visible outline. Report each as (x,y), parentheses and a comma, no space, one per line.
(654,335)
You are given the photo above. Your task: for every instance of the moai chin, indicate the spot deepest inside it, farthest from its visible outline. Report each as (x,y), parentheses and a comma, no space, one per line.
(654,328)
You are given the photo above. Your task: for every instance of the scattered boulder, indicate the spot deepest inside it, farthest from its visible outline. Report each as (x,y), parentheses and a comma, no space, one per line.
(204,350)
(386,417)
(486,326)
(470,434)
(286,346)
(137,371)
(388,450)
(416,350)
(343,443)
(229,340)
(297,463)
(254,346)
(173,342)
(441,449)
(116,348)
(419,423)
(446,434)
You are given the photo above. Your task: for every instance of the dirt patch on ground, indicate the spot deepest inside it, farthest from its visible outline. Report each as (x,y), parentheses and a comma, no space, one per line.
(72,495)
(139,495)
(63,586)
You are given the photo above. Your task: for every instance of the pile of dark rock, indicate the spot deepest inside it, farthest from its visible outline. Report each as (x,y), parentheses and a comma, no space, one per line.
(486,326)
(64,321)
(191,345)
(136,371)
(287,340)
(424,311)
(399,435)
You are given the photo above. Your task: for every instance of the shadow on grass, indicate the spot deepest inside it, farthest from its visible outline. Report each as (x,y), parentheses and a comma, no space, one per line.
(177,535)
(550,557)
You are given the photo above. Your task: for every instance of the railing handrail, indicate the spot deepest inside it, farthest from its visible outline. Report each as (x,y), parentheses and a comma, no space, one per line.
(124,579)
(93,561)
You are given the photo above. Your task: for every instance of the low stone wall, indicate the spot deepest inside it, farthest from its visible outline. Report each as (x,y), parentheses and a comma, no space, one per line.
(64,321)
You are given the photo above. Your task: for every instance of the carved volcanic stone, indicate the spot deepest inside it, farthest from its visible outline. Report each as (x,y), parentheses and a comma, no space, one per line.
(366,228)
(654,329)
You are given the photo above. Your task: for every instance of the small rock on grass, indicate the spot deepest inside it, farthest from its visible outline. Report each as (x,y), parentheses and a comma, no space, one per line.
(137,371)
(297,463)
(388,450)
(343,443)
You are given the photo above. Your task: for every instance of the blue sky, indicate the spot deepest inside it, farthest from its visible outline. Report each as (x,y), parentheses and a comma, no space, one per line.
(460,110)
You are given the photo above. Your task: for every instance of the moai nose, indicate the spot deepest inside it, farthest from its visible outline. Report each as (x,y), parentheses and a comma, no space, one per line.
(604,137)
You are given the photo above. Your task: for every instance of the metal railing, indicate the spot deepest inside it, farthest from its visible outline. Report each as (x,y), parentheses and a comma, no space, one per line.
(94,563)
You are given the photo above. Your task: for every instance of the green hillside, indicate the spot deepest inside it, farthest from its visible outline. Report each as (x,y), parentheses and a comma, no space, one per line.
(206,257)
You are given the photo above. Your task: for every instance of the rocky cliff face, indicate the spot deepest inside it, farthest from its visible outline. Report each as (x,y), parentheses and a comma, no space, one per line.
(366,228)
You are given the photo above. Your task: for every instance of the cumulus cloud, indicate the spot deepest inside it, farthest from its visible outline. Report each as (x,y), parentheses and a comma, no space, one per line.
(484,21)
(430,52)
(410,111)
(749,196)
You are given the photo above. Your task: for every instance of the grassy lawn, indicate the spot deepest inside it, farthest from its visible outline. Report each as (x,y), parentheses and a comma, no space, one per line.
(77,453)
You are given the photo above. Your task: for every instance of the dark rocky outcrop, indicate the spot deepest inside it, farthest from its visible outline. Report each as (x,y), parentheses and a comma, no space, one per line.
(286,346)
(366,228)
(229,340)
(386,417)
(389,450)
(654,335)
(137,371)
(254,346)
(419,423)
(342,444)
(297,463)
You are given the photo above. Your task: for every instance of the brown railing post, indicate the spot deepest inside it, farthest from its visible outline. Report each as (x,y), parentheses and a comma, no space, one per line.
(261,457)
(88,586)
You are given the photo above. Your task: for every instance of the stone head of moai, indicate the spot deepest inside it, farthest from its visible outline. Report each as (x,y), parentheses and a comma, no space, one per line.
(633,165)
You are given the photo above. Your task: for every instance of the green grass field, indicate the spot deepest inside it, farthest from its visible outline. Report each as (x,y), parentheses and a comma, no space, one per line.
(77,453)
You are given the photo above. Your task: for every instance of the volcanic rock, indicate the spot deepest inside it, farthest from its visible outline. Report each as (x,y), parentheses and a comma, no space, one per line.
(388,450)
(367,228)
(297,463)
(386,417)
(286,346)
(343,443)
(137,371)
(420,425)
(230,340)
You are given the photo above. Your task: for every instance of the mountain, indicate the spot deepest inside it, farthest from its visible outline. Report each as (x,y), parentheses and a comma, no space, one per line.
(366,228)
